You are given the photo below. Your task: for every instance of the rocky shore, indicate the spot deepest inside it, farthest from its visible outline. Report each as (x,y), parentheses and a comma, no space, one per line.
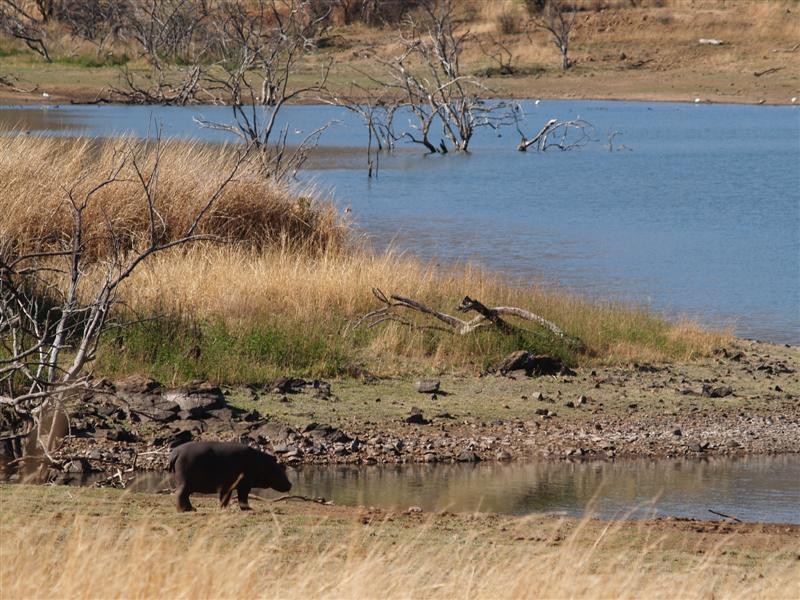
(742,401)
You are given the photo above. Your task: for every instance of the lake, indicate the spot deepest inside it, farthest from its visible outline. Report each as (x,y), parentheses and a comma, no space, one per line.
(753,489)
(698,216)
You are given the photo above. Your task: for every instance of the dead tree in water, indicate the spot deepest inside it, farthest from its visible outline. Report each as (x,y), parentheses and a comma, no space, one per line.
(425,78)
(563,135)
(57,299)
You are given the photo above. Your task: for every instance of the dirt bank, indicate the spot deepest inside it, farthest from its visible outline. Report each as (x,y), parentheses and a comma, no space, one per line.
(741,401)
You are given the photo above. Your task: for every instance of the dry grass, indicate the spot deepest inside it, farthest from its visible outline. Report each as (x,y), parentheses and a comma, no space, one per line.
(241,287)
(37,175)
(224,555)
(280,293)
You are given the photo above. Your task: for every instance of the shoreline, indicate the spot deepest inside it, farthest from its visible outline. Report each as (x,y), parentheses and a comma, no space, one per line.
(740,402)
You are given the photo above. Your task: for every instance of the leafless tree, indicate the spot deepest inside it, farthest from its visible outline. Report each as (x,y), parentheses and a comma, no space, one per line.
(562,135)
(427,79)
(96,21)
(170,37)
(53,313)
(557,17)
(260,47)
(24,25)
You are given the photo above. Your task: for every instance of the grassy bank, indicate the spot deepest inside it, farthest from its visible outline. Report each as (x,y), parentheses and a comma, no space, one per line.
(277,290)
(92,543)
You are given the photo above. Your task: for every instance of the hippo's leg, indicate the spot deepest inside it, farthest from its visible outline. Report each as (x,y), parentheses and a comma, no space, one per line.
(183,499)
(242,492)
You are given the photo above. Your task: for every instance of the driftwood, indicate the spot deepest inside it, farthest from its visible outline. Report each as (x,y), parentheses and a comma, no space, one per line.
(738,520)
(486,315)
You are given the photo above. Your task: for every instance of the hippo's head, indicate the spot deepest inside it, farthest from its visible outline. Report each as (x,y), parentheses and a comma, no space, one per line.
(274,475)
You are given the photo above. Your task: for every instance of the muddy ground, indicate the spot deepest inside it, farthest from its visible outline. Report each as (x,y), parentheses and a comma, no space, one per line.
(744,400)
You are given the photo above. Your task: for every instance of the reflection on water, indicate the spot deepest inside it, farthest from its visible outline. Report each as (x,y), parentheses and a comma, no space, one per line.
(753,489)
(690,221)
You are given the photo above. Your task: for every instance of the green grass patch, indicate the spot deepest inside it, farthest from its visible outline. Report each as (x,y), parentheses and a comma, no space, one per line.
(93,61)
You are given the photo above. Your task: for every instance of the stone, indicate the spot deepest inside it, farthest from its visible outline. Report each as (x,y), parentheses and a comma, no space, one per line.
(677,432)
(289,385)
(541,411)
(503,456)
(569,404)
(137,384)
(196,400)
(188,425)
(274,433)
(582,399)
(716,392)
(427,386)
(174,439)
(430,457)
(77,465)
(533,365)
(539,397)
(120,435)
(468,456)
(733,444)
(414,509)
(416,418)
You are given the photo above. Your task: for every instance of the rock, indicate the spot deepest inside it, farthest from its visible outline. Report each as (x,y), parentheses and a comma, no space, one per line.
(77,465)
(522,360)
(414,509)
(275,433)
(569,404)
(427,386)
(677,432)
(223,414)
(188,425)
(733,444)
(503,456)
(120,435)
(330,434)
(430,457)
(716,392)
(541,411)
(539,397)
(582,399)
(196,400)
(174,439)
(136,384)
(416,418)
(288,385)
(468,456)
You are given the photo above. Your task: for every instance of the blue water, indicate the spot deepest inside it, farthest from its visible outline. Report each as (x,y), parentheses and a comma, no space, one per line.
(699,216)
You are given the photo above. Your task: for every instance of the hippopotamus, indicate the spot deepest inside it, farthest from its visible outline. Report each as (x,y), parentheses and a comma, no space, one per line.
(221,467)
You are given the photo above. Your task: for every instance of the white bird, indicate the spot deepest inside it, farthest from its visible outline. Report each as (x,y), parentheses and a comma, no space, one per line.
(45,95)
(537,102)
(697,100)
(298,131)
(794,99)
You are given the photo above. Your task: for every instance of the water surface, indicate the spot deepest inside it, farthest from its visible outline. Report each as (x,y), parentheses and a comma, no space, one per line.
(759,488)
(699,216)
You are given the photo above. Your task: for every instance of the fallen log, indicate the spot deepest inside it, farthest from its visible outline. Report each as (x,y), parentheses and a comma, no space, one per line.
(487,316)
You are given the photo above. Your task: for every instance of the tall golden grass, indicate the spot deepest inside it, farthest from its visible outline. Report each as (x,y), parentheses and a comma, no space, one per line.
(211,556)
(283,266)
(38,175)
